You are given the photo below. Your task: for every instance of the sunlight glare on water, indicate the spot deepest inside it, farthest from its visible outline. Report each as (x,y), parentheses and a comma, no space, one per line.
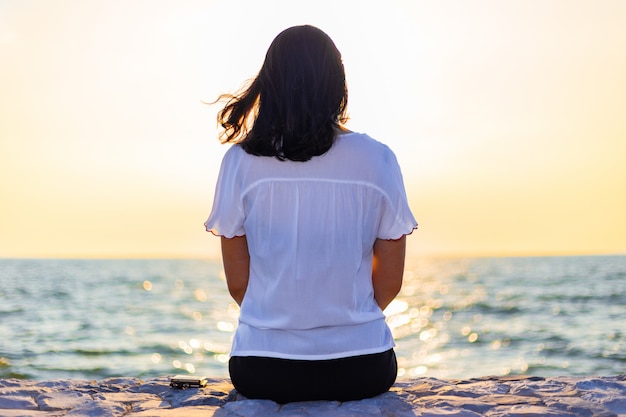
(473,317)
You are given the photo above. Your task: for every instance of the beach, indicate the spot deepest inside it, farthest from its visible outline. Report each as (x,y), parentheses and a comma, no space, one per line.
(487,396)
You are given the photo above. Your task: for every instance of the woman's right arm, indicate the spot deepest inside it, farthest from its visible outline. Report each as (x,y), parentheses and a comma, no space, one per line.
(236,260)
(388,269)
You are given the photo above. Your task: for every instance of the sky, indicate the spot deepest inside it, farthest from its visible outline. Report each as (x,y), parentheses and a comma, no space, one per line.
(508,118)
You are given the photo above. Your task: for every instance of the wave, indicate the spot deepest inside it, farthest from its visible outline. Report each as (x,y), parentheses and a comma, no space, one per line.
(497,309)
(16,310)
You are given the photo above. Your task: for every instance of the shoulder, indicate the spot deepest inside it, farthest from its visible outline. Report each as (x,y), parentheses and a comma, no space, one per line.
(363,146)
(234,157)
(234,152)
(362,141)
(233,162)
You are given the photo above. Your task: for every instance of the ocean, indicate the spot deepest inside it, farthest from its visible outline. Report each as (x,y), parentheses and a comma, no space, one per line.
(455,317)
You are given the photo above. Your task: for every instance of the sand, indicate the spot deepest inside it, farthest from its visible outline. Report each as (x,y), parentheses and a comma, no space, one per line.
(489,396)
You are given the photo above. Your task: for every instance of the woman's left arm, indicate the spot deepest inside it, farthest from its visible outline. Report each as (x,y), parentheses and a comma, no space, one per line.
(388,269)
(236,260)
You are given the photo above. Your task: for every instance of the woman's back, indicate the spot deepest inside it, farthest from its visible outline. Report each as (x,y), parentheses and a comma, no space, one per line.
(310,229)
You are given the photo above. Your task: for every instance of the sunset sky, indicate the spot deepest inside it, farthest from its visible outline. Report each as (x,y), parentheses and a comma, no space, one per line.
(508,118)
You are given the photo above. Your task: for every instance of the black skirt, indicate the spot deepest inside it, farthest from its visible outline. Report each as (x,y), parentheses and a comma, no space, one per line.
(288,380)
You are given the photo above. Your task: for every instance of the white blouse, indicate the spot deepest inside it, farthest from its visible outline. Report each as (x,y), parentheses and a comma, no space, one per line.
(311,228)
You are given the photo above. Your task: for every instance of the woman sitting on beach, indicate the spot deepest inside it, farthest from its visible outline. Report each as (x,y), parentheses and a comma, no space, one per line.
(313,220)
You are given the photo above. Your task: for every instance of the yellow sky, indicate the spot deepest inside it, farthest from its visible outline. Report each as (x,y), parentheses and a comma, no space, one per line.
(508,118)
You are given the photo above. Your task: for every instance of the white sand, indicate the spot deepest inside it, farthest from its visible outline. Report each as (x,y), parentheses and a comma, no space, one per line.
(489,396)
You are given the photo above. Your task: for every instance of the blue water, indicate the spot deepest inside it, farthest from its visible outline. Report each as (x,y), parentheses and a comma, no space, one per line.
(455,318)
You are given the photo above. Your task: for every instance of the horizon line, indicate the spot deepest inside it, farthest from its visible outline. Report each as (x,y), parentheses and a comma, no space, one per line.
(208,257)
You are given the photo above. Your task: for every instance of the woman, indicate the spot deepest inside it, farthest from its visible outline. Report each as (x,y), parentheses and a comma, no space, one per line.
(312,219)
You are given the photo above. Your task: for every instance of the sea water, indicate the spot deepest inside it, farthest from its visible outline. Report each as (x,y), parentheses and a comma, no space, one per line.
(455,318)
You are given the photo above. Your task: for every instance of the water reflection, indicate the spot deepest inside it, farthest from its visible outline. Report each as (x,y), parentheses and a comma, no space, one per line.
(460,317)
(426,322)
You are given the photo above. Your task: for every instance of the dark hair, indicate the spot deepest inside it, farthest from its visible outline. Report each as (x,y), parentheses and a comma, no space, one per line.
(295,106)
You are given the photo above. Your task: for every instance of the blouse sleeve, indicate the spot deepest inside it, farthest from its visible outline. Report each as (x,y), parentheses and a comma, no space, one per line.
(227,215)
(397,219)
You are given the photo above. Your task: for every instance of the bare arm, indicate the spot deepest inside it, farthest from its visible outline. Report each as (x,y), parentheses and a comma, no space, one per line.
(387,269)
(236,260)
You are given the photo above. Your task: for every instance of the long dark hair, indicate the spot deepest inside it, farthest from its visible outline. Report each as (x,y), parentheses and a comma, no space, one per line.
(297,103)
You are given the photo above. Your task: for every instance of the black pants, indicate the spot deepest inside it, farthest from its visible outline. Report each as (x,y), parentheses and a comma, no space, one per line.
(287,380)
